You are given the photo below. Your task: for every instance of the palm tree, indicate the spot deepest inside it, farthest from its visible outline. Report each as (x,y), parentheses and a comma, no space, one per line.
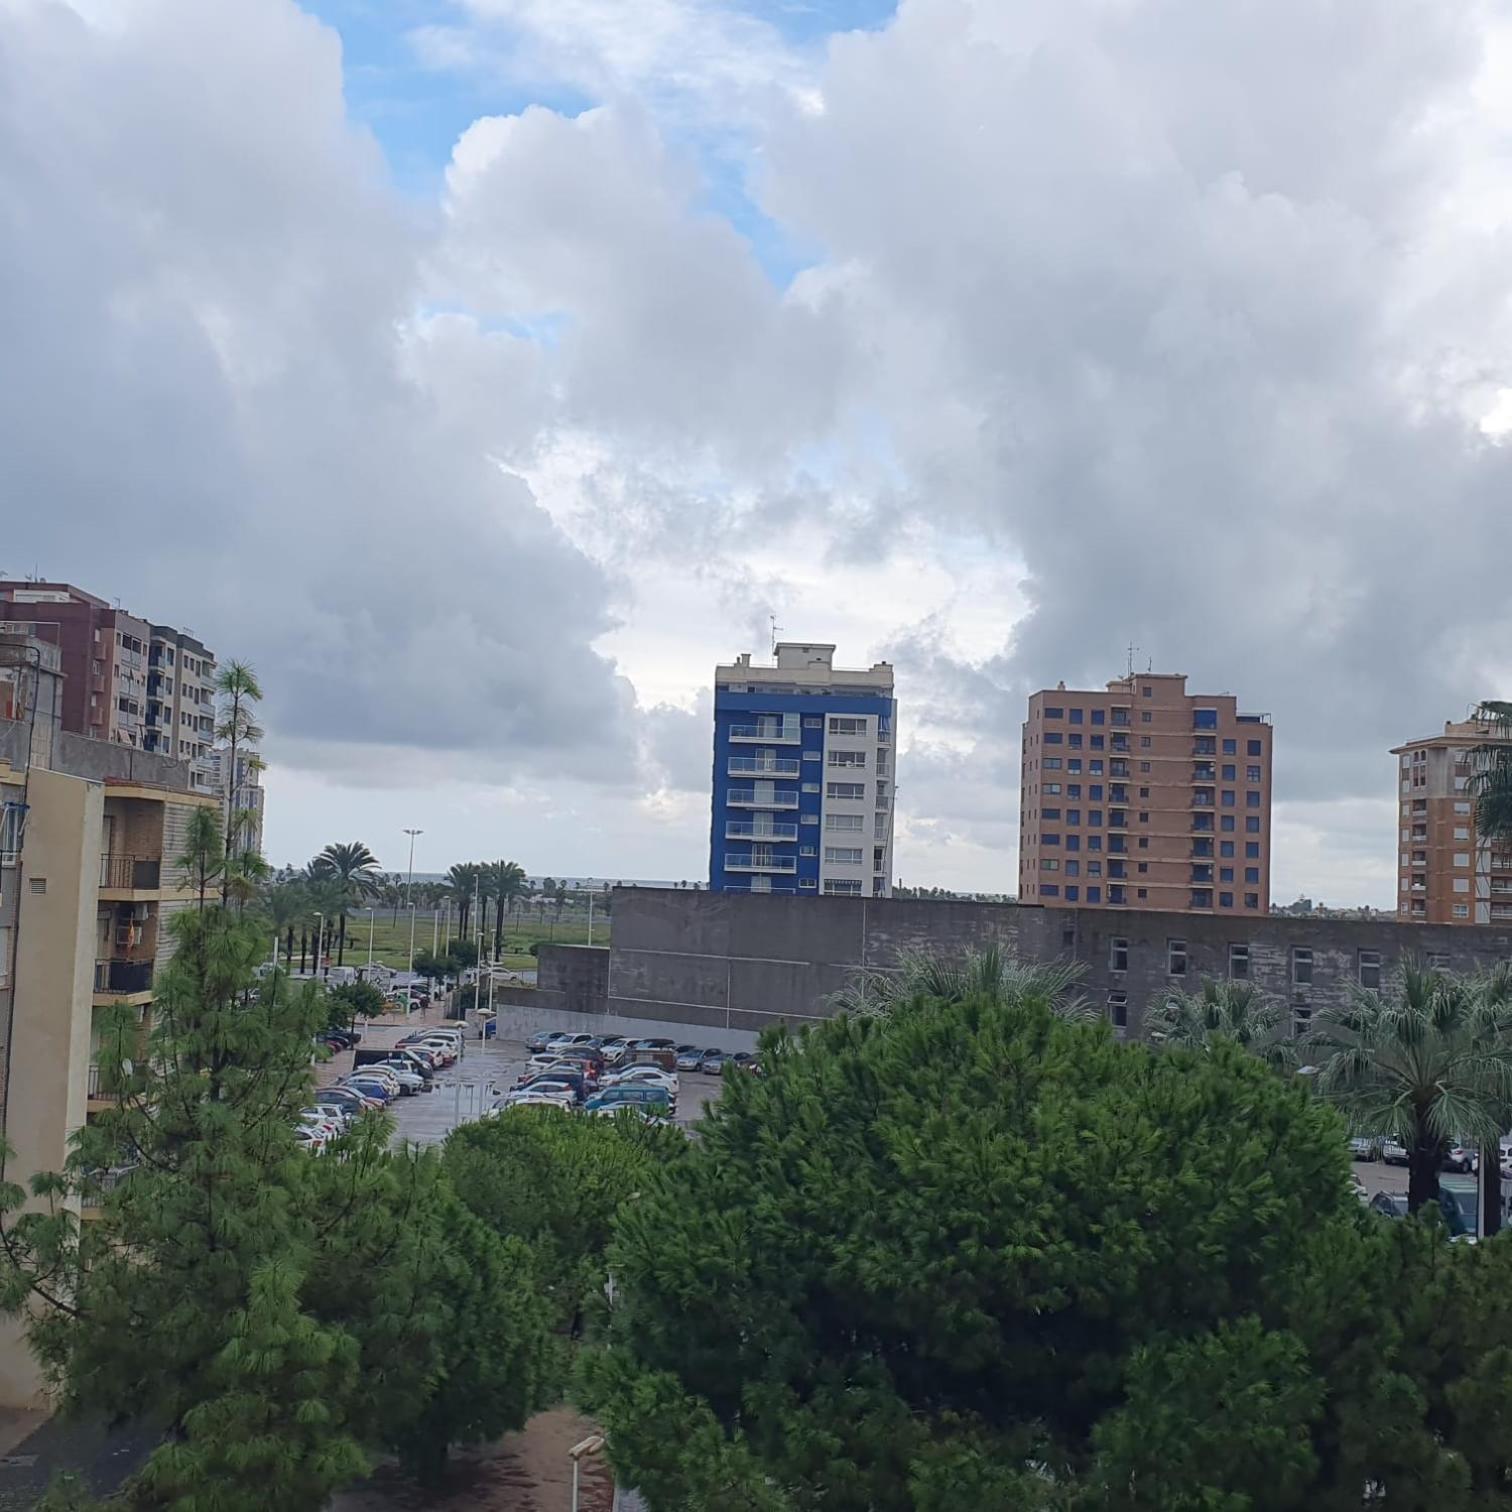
(1491,787)
(460,882)
(324,899)
(1426,1064)
(287,906)
(558,892)
(236,683)
(1235,1012)
(506,883)
(353,868)
(989,974)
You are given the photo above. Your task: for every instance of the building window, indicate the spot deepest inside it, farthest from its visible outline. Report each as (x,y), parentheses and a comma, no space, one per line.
(1228,798)
(1176,956)
(847,790)
(1052,789)
(1202,897)
(1225,873)
(1097,716)
(1251,850)
(843,725)
(1225,847)
(810,787)
(808,850)
(1252,900)
(1252,799)
(1462,884)
(1302,966)
(1050,890)
(1073,816)
(1049,864)
(1144,892)
(1461,910)
(1438,960)
(1051,712)
(1225,900)
(1251,874)
(807,882)
(1252,774)
(1143,867)
(813,723)
(1073,842)
(808,819)
(846,759)
(1095,791)
(1094,842)
(1094,895)
(1254,748)
(1230,748)
(1228,774)
(1144,743)
(1118,955)
(1239,962)
(1252,824)
(1073,895)
(811,755)
(1460,833)
(842,886)
(1144,766)
(1094,818)
(1144,792)
(1073,868)
(1076,716)
(850,822)
(1227,824)
(1054,737)
(1116,895)
(1459,808)
(1369,967)
(1050,813)
(1049,839)
(842,855)
(1145,717)
(1098,743)
(1204,719)
(1461,858)
(1052,763)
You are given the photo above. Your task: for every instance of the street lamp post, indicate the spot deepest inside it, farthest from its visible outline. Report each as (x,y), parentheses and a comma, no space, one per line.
(372,925)
(319,939)
(409,894)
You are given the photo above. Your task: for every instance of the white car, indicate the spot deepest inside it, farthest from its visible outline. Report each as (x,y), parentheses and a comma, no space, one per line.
(640,1076)
(410,1081)
(534,1099)
(389,1078)
(310,1141)
(448,1048)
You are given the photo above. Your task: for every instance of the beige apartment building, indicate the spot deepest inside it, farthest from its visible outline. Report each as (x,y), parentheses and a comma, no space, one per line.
(1145,795)
(89,833)
(1445,873)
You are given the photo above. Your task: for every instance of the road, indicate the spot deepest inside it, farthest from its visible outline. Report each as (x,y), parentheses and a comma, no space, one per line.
(487,1070)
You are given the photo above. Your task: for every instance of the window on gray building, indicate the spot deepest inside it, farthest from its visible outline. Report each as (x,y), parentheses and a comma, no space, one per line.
(1118,1009)
(1370,968)
(1176,957)
(1118,955)
(1438,960)
(1239,962)
(1302,966)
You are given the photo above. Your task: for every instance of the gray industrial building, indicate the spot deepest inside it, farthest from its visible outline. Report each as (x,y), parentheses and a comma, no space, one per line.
(738,963)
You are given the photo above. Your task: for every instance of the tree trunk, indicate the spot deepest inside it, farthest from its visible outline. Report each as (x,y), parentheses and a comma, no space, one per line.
(341,942)
(1423,1163)
(304,940)
(1491,1196)
(289,950)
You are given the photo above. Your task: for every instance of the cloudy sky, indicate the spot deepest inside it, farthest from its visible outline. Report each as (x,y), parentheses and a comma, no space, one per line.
(485,370)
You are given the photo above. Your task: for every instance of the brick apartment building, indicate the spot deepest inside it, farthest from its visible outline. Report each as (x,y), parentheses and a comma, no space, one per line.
(130,682)
(1145,796)
(1445,874)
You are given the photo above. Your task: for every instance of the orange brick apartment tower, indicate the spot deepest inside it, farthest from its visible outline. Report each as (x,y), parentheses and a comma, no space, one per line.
(1145,795)
(1444,874)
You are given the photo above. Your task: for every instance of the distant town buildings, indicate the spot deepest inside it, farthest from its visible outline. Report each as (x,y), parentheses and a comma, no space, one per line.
(1144,795)
(130,682)
(804,780)
(1445,873)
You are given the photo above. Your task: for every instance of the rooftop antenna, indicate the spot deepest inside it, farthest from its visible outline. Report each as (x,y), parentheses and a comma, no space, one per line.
(776,631)
(1131,661)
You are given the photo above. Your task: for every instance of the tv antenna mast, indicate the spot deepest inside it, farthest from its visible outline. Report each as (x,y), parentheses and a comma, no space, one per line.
(776,631)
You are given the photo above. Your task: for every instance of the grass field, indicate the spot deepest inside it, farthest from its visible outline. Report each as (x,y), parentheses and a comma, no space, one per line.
(391,940)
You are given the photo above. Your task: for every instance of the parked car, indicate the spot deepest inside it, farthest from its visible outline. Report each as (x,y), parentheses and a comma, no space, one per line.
(566,1076)
(1462,1158)
(640,1076)
(571,1087)
(688,1057)
(558,1038)
(382,1074)
(310,1142)
(582,1054)
(381,1091)
(650,1097)
(1390,1204)
(1365,1147)
(359,1102)
(654,1043)
(533,1100)
(713,1062)
(745,1061)
(1393,1153)
(344,1113)
(410,1080)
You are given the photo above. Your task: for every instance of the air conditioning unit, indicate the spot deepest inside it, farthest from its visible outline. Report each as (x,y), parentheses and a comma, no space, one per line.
(140,912)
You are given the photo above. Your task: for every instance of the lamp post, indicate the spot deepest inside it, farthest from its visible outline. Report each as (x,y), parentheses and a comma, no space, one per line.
(409,894)
(372,925)
(319,939)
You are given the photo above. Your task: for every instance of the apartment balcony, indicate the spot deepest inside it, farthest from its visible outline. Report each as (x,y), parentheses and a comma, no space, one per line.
(769,865)
(758,766)
(757,885)
(767,734)
(1204,771)
(122,978)
(746,829)
(748,798)
(131,873)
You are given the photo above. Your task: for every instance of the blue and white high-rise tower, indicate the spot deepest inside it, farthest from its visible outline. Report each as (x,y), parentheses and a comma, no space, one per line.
(803,776)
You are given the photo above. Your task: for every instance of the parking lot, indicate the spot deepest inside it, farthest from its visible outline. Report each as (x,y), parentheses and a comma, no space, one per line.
(487,1070)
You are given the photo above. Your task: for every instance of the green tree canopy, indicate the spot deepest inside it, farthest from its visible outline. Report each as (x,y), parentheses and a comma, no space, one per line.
(972,1254)
(1234,1012)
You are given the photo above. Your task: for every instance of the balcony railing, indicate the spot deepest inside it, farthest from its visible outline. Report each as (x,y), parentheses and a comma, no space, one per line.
(123,976)
(736,862)
(746,829)
(771,734)
(747,798)
(756,886)
(757,766)
(138,872)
